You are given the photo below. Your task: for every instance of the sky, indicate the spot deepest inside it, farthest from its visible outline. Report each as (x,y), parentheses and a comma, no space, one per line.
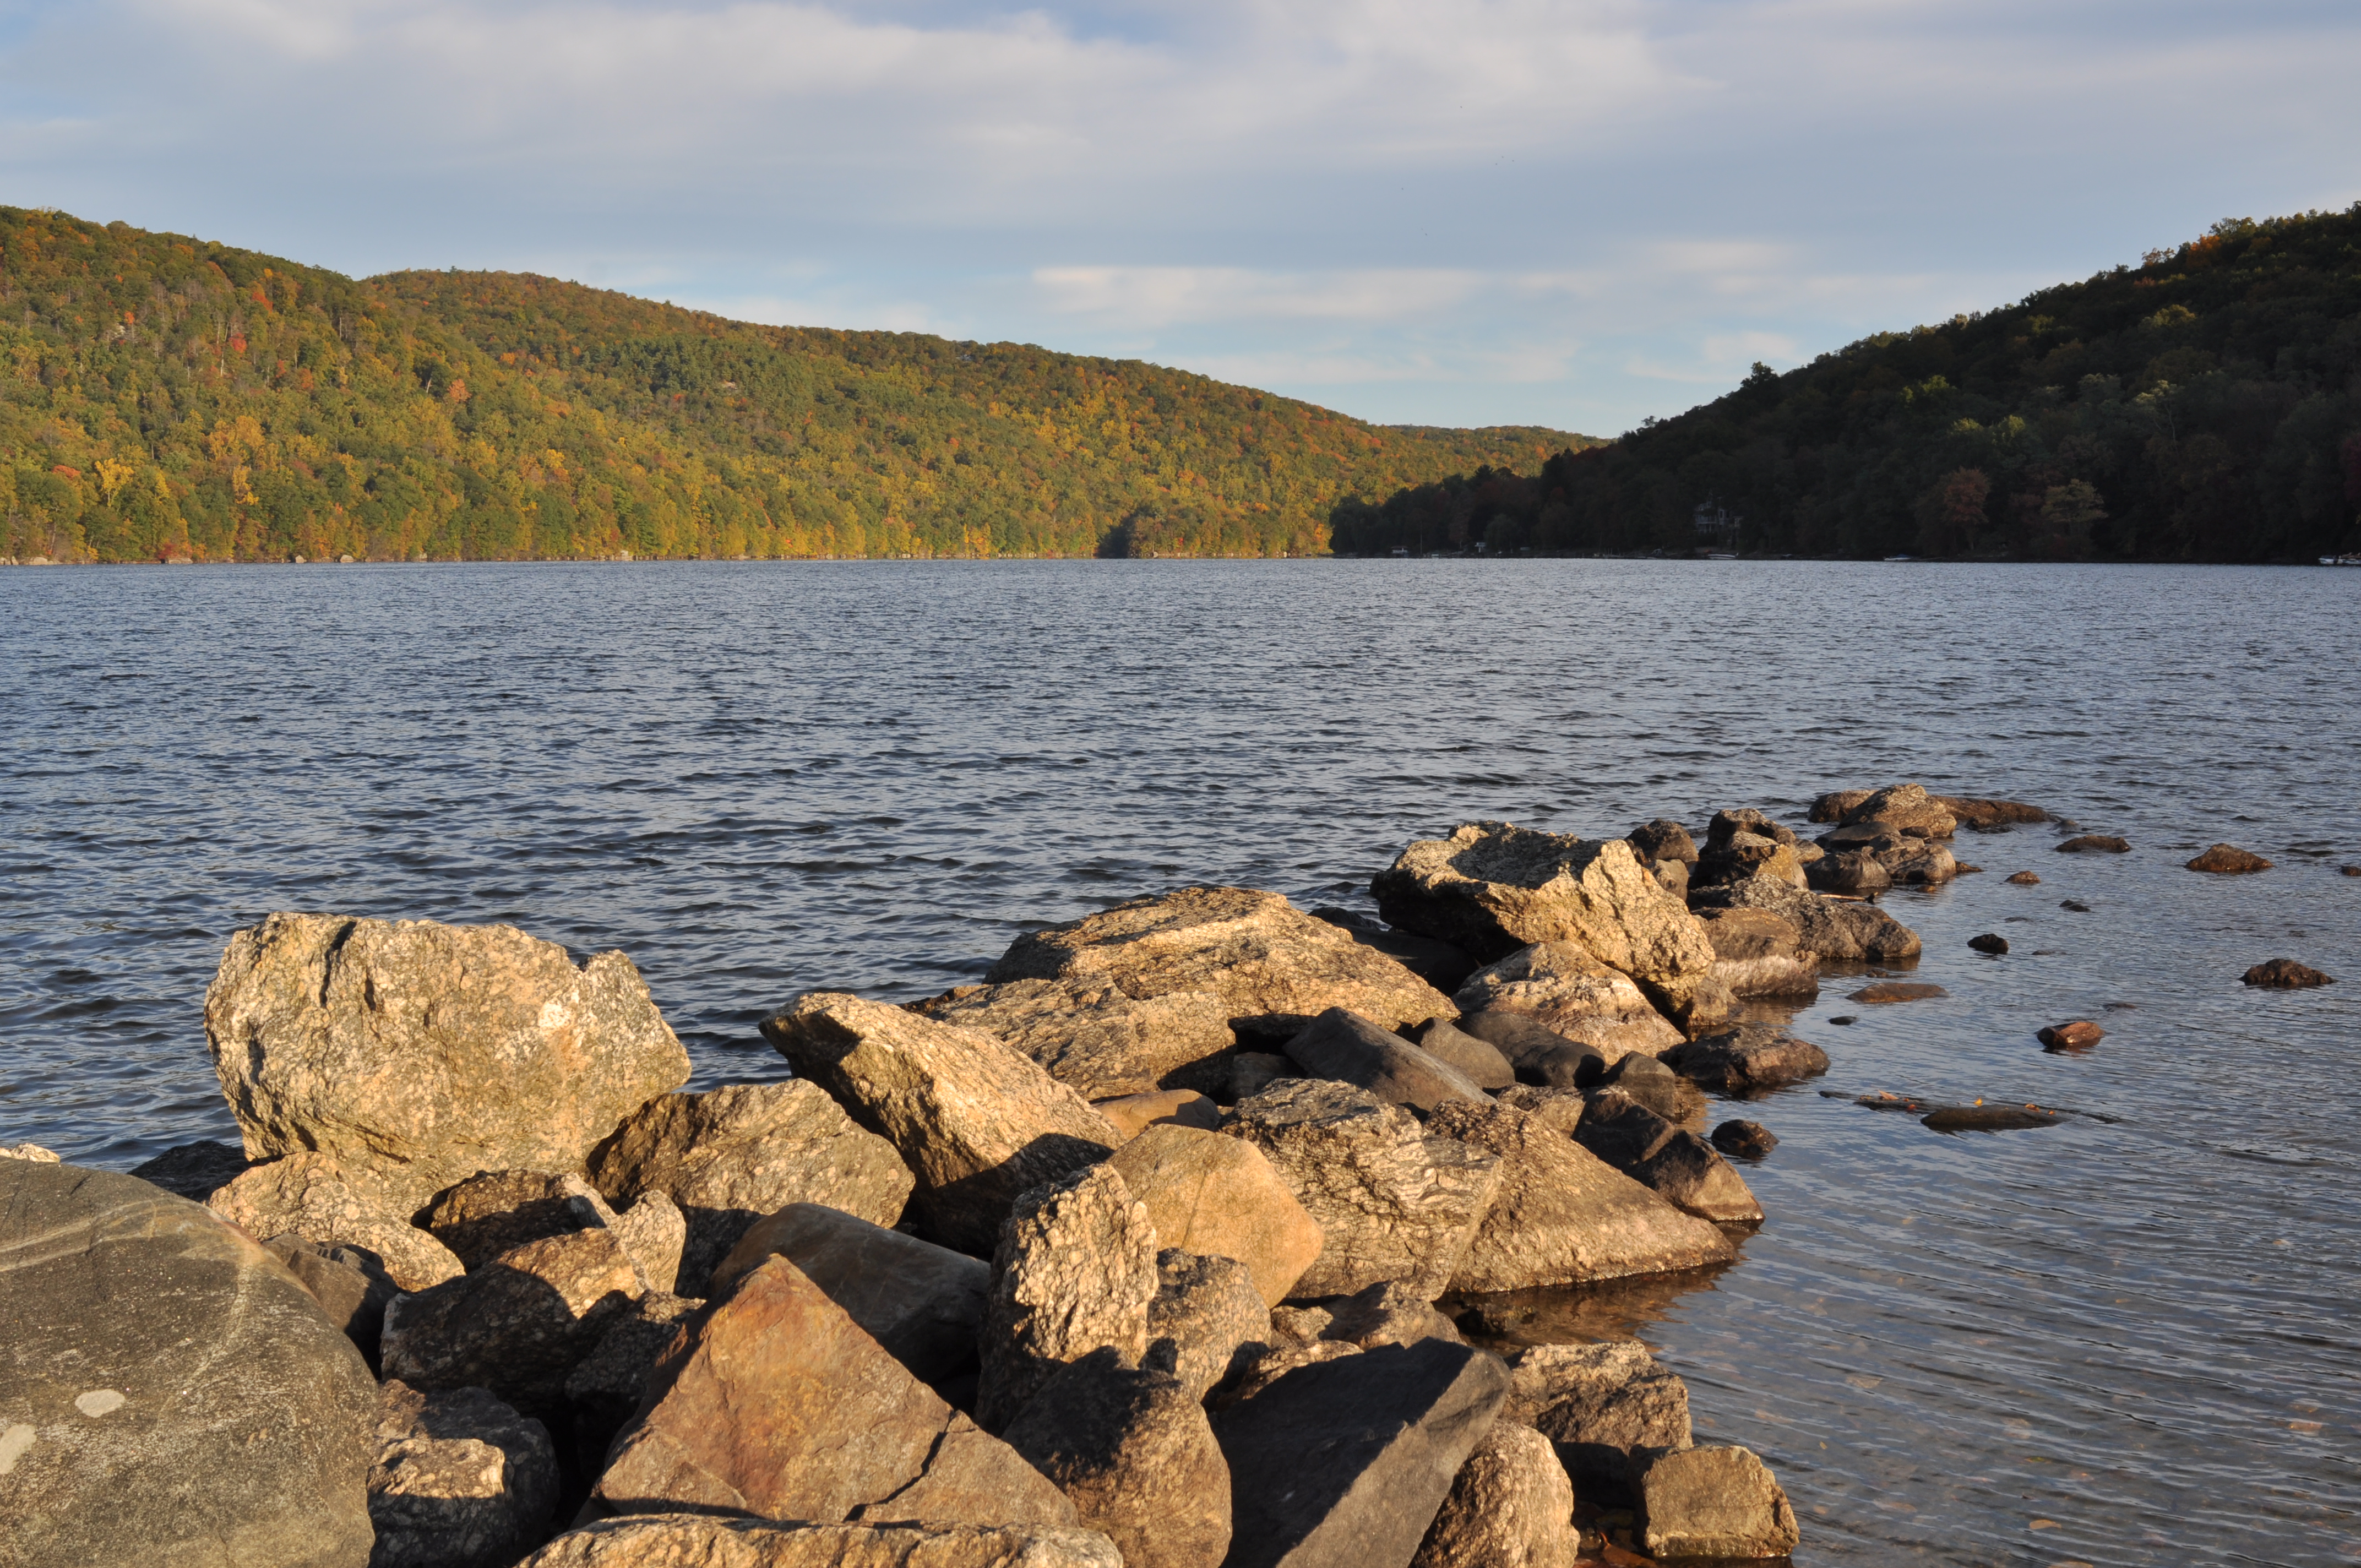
(1577,214)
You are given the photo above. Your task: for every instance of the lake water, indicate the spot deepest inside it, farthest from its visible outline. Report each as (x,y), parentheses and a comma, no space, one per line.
(2127,1341)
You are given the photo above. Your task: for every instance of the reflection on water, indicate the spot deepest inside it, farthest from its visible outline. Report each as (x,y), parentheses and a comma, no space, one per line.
(1579,1314)
(2129,1341)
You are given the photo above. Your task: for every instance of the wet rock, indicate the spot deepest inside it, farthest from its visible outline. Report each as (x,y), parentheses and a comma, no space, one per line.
(2025,879)
(318,1198)
(1857,872)
(1075,1270)
(1907,808)
(605,1387)
(519,1324)
(1757,953)
(1988,815)
(437,1050)
(2075,905)
(2093,843)
(1990,942)
(196,1170)
(1984,1118)
(777,1404)
(1222,1196)
(1663,839)
(1211,1311)
(351,1285)
(1092,1038)
(1610,1408)
(1253,949)
(1440,964)
(1345,1464)
(1716,1502)
(490,1213)
(1893,991)
(1657,1087)
(1831,806)
(1537,1053)
(1132,1114)
(690,1541)
(1562,1215)
(1390,1203)
(2348,870)
(1837,929)
(1481,1061)
(1350,1048)
(2285,974)
(1844,1018)
(1511,1505)
(1386,1313)
(1744,1140)
(1254,1072)
(727,1157)
(1131,1449)
(1748,1059)
(1494,888)
(2228,860)
(114,1414)
(461,1480)
(1563,988)
(1670,1161)
(1746,855)
(923,1303)
(974,1122)
(2080,1033)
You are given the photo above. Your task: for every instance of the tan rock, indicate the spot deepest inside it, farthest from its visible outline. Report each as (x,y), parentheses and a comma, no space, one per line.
(1609,1408)
(1131,1448)
(689,1540)
(1511,1505)
(1758,953)
(1096,1039)
(1211,1194)
(2228,860)
(318,1198)
(519,1324)
(1562,1215)
(1838,928)
(975,1123)
(448,1049)
(655,1232)
(1907,808)
(732,1154)
(1716,1502)
(1391,1202)
(1075,1270)
(1175,1107)
(493,1210)
(1210,1310)
(780,1406)
(923,1303)
(33,1153)
(461,1480)
(1563,987)
(1387,1313)
(1254,951)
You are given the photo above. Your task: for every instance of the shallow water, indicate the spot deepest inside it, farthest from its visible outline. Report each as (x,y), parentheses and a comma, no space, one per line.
(2124,1341)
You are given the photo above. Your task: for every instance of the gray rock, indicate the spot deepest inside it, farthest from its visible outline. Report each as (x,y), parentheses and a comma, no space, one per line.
(518,1324)
(975,1121)
(195,1170)
(444,1049)
(1210,1311)
(1663,839)
(1656,1086)
(1539,1054)
(1346,1463)
(1131,1449)
(1612,1410)
(1562,1215)
(126,1437)
(1075,1270)
(1560,1110)
(1856,872)
(1222,1196)
(1273,1362)
(1251,1072)
(316,1197)
(1757,953)
(2093,844)
(1837,929)
(1716,1502)
(1388,1313)
(689,1540)
(1481,1061)
(1344,1045)
(461,1480)
(1749,1060)
(1391,1202)
(1687,1172)
(733,1154)
(351,1285)
(923,1303)
(1095,1039)
(778,1405)
(1563,987)
(605,1386)
(1511,1505)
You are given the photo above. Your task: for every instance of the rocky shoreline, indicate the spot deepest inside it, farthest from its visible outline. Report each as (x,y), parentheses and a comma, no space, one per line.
(1131,1254)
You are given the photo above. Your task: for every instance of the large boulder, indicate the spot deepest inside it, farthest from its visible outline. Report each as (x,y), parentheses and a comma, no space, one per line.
(1256,952)
(1511,1505)
(448,1049)
(518,1324)
(733,1154)
(1899,856)
(1562,1215)
(1208,1307)
(1757,953)
(1345,1464)
(605,1387)
(324,1201)
(1610,1408)
(168,1393)
(352,1287)
(1747,843)
(1493,888)
(1221,1196)
(923,1303)
(691,1540)
(461,1480)
(1091,1037)
(1391,1202)
(1836,929)
(1341,1045)
(975,1121)
(778,1405)
(1716,1502)
(1075,1270)
(1561,987)
(195,1170)
(1132,1450)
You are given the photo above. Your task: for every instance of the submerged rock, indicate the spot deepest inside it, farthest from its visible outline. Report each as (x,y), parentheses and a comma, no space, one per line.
(2285,974)
(1718,1502)
(1075,1271)
(2228,860)
(1211,1194)
(2093,843)
(1984,1118)
(1991,942)
(1893,991)
(1566,989)
(2080,1033)
(1091,1037)
(461,1480)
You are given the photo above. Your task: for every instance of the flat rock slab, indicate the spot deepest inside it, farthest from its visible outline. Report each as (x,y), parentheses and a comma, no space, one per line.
(2285,974)
(170,1393)
(922,1303)
(685,1540)
(2228,860)
(1096,1039)
(1716,1502)
(1345,1464)
(1889,991)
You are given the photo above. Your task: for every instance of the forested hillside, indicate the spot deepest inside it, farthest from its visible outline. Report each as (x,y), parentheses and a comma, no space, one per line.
(2204,405)
(167,397)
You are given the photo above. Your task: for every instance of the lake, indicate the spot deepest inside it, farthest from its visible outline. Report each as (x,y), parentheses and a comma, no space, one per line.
(2129,1340)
